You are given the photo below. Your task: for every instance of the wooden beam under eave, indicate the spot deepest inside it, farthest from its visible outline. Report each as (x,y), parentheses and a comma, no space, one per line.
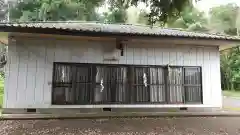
(223,44)
(63,37)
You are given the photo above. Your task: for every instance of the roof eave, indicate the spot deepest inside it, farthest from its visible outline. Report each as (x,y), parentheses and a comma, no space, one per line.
(73,32)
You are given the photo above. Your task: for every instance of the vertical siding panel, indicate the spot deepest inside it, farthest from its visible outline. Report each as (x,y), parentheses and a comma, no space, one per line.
(82,52)
(141,57)
(84,47)
(206,77)
(172,56)
(62,51)
(199,58)
(144,56)
(137,56)
(91,49)
(165,51)
(77,52)
(187,57)
(99,54)
(180,56)
(39,92)
(151,56)
(158,55)
(200,61)
(130,55)
(107,48)
(210,65)
(215,77)
(12,83)
(22,77)
(31,74)
(49,59)
(193,57)
(58,55)
(217,81)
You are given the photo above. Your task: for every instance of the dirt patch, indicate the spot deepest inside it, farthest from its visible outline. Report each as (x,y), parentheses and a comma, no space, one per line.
(150,126)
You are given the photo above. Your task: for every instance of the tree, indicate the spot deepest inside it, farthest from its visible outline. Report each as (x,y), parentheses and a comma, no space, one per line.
(163,10)
(117,11)
(190,19)
(223,19)
(54,10)
(45,10)
(230,68)
(3,10)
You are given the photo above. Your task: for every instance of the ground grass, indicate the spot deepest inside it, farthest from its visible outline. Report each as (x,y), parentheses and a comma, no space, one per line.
(235,94)
(1,94)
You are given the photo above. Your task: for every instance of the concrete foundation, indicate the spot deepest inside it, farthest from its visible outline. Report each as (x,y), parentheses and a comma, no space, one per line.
(101,110)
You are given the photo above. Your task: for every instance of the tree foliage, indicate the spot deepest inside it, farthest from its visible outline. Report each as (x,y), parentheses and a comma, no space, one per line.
(163,10)
(230,68)
(117,11)
(223,19)
(55,10)
(52,10)
(3,10)
(190,19)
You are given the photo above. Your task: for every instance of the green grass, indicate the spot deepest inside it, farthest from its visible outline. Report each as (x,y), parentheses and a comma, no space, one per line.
(235,94)
(1,94)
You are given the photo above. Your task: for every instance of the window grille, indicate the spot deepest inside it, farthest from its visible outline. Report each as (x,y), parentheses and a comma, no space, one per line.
(83,84)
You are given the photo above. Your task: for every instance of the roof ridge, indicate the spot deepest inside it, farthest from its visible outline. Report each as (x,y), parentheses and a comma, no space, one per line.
(200,32)
(91,22)
(96,22)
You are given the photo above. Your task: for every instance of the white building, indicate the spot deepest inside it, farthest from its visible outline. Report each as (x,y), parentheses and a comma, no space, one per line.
(96,66)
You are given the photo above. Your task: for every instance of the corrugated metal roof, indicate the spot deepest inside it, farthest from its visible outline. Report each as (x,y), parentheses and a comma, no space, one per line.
(117,29)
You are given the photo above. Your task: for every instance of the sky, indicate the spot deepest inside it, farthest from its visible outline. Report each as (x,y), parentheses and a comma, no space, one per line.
(205,5)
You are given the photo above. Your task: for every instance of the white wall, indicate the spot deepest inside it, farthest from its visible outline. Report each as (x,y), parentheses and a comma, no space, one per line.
(30,63)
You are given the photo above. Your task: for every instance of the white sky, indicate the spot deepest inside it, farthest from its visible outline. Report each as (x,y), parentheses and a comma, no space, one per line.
(205,5)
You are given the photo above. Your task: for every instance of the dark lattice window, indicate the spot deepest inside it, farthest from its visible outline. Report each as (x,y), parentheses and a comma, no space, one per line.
(72,84)
(192,85)
(111,84)
(185,85)
(176,90)
(125,84)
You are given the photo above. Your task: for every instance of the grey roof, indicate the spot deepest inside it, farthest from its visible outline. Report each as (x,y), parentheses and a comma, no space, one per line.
(117,29)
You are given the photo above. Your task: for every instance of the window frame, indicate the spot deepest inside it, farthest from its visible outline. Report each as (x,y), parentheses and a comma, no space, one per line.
(130,82)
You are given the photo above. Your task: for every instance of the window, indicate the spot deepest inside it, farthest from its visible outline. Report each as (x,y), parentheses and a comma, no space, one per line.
(140,89)
(192,85)
(72,84)
(149,84)
(111,85)
(125,84)
(176,90)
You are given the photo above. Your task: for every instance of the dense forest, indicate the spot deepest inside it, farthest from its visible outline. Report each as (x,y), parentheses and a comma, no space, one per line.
(182,14)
